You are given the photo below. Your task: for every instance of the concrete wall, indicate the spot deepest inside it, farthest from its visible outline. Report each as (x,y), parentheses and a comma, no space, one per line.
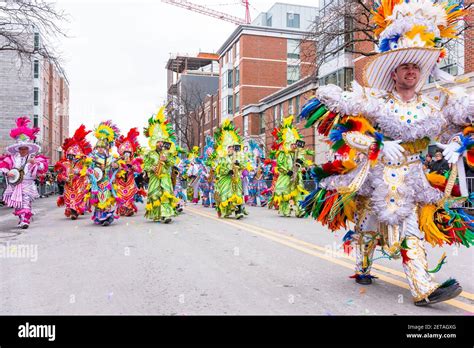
(16,94)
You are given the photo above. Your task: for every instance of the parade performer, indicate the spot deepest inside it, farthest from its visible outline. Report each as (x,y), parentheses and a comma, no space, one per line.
(21,165)
(158,163)
(72,171)
(194,174)
(289,187)
(272,168)
(386,194)
(229,166)
(102,171)
(206,184)
(245,177)
(130,164)
(257,185)
(180,183)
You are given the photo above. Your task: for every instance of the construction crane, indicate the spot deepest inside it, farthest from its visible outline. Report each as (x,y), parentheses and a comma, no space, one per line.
(213,13)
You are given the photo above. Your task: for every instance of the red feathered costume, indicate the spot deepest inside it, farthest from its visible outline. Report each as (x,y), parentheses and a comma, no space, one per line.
(130,163)
(72,172)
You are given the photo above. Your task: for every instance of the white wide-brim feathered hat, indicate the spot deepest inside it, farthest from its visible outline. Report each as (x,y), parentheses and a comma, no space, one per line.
(24,136)
(411,31)
(32,148)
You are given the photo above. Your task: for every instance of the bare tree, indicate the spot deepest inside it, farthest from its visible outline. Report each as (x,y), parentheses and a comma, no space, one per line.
(20,20)
(346,26)
(189,116)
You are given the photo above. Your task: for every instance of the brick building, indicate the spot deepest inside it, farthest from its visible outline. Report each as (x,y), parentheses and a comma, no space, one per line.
(259,60)
(39,89)
(266,73)
(341,69)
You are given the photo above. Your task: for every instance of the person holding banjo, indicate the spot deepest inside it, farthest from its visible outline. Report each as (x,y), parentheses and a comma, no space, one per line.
(158,164)
(72,170)
(289,188)
(102,171)
(21,165)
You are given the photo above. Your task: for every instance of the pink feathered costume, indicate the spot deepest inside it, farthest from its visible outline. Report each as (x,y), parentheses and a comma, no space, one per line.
(21,195)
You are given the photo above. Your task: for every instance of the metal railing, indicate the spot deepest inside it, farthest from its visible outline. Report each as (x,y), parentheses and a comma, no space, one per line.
(47,189)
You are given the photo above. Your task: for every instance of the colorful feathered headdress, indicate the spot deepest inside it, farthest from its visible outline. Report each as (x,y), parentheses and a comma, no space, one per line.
(24,136)
(128,143)
(194,153)
(287,134)
(77,144)
(226,136)
(159,129)
(256,149)
(209,147)
(106,134)
(411,31)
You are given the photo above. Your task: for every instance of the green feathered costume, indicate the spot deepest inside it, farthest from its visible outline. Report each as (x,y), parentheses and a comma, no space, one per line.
(289,188)
(228,181)
(161,202)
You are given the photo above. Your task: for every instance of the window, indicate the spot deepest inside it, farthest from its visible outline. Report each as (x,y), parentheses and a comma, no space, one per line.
(262,122)
(237,49)
(214,112)
(35,120)
(292,74)
(224,80)
(237,102)
(37,42)
(230,104)
(450,69)
(246,126)
(342,78)
(36,96)
(297,108)
(36,68)
(237,76)
(230,83)
(281,113)
(293,49)
(292,20)
(224,104)
(290,107)
(269,21)
(275,115)
(208,117)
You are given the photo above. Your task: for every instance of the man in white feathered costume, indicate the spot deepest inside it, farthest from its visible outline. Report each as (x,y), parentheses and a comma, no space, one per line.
(387,195)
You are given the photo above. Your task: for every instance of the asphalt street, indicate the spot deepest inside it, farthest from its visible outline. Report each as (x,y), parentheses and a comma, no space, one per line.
(199,264)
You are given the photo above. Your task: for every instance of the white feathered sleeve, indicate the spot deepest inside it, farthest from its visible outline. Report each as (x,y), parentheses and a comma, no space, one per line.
(359,101)
(459,108)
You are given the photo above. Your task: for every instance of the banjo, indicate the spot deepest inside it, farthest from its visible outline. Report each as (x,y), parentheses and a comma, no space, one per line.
(15,175)
(98,173)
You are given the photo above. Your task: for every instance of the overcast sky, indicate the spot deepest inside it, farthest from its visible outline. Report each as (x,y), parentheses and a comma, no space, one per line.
(116,53)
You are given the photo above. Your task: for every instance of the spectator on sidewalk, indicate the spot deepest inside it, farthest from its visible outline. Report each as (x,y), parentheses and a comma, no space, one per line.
(428,163)
(440,165)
